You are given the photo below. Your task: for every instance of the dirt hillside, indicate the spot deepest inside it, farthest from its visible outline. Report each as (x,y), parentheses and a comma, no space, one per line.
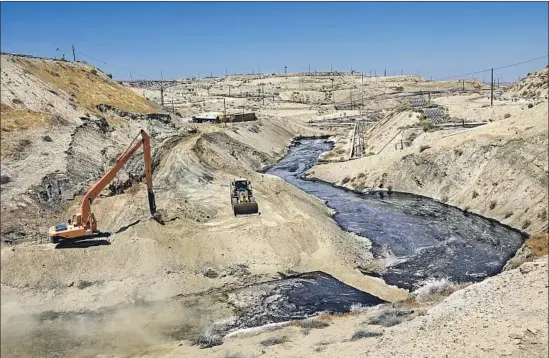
(534,85)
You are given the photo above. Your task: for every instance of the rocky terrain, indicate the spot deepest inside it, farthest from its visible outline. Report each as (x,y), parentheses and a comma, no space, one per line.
(534,85)
(157,290)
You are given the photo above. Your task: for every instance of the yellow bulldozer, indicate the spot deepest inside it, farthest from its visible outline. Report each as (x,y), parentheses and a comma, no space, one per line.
(242,198)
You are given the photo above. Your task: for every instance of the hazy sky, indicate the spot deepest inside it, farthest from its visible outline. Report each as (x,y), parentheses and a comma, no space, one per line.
(186,38)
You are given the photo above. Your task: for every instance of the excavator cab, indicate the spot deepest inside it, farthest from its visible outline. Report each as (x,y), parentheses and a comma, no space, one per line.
(242,198)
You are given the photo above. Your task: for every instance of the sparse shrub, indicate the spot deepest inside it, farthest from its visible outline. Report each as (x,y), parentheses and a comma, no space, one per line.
(432,289)
(361,175)
(526,224)
(445,199)
(4,179)
(109,75)
(93,71)
(507,115)
(399,88)
(82,284)
(210,273)
(493,204)
(274,341)
(458,152)
(475,194)
(345,180)
(371,153)
(313,324)
(426,124)
(467,208)
(365,334)
(17,101)
(47,138)
(423,147)
(530,105)
(508,214)
(208,340)
(23,143)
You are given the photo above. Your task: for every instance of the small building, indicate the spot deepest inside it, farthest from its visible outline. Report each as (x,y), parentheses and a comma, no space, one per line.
(218,117)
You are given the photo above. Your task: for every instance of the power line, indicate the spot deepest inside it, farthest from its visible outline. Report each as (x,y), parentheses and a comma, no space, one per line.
(463,75)
(95,59)
(498,68)
(520,63)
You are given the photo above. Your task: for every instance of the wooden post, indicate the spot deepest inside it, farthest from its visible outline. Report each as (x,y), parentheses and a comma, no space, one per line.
(73,54)
(492,89)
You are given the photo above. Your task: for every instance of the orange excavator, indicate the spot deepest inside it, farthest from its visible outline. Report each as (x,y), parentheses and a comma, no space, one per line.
(84,224)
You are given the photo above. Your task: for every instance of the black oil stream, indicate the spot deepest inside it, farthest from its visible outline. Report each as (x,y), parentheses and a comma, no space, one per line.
(424,239)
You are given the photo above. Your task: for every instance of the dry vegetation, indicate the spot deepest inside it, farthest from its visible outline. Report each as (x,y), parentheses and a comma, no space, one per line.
(88,87)
(538,244)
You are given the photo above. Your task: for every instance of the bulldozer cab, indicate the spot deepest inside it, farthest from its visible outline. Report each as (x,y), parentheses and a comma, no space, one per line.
(241,185)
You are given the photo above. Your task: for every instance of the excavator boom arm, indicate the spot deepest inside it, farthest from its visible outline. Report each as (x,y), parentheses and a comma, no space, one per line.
(111,174)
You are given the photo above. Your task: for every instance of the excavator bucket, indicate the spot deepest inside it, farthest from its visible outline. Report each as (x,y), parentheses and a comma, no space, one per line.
(247,208)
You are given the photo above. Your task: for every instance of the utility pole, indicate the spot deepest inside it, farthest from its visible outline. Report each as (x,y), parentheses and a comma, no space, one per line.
(385,73)
(131,78)
(401,73)
(224,109)
(362,77)
(161,94)
(498,82)
(73,54)
(285,68)
(309,68)
(492,89)
(229,90)
(463,83)
(161,88)
(351,95)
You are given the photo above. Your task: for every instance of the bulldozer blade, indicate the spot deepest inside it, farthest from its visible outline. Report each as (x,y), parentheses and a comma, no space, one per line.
(245,209)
